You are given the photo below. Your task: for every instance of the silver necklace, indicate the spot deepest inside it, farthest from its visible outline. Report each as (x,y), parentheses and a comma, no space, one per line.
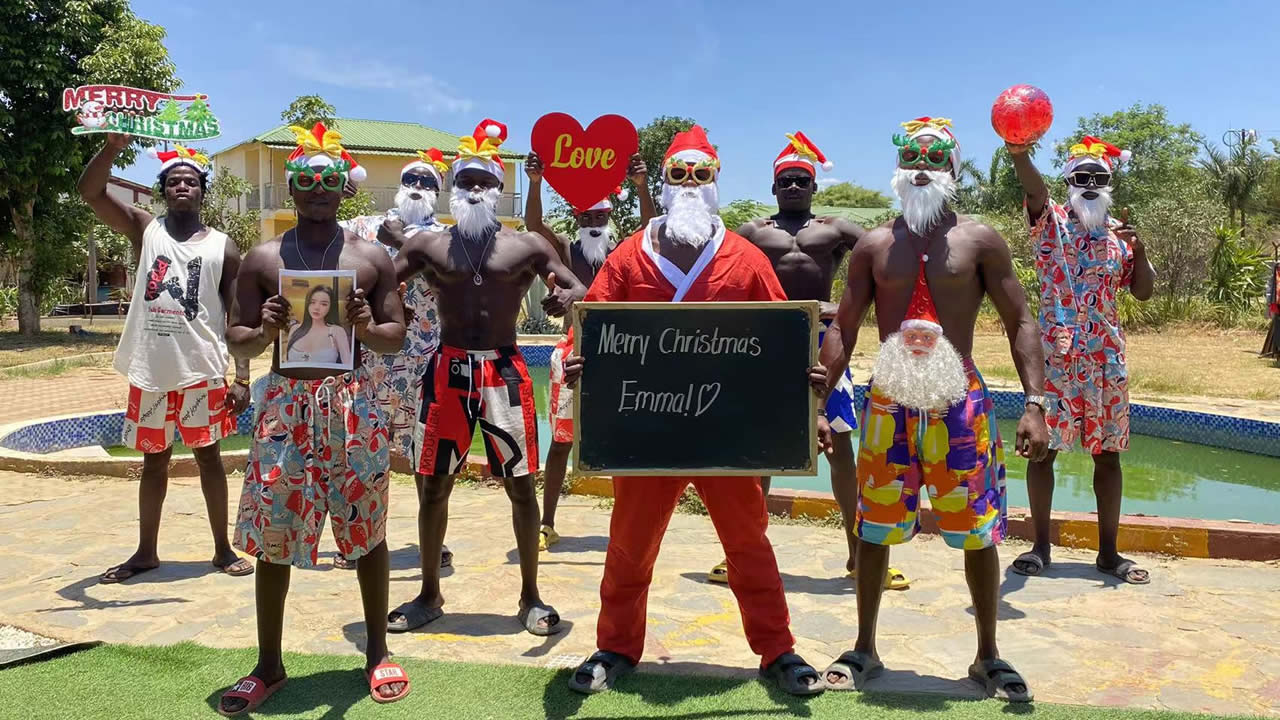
(297,246)
(475,278)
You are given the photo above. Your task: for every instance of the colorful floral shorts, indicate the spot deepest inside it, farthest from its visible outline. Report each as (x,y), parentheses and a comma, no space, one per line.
(957,456)
(397,381)
(198,413)
(841,413)
(319,447)
(1088,400)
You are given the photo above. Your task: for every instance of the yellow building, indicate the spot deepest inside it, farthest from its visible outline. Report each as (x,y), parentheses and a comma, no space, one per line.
(380,146)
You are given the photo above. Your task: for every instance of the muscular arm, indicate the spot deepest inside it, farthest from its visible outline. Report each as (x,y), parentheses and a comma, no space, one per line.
(412,258)
(386,335)
(227,290)
(548,261)
(1006,293)
(124,219)
(843,334)
(1143,285)
(1037,194)
(533,220)
(648,209)
(850,232)
(247,338)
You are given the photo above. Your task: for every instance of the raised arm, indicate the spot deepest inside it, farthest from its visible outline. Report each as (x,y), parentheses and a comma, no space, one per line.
(412,258)
(227,291)
(124,219)
(841,337)
(1037,194)
(259,317)
(377,314)
(638,173)
(1006,293)
(568,288)
(533,208)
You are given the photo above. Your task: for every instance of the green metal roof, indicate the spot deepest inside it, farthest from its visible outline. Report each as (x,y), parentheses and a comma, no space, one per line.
(862,216)
(383,135)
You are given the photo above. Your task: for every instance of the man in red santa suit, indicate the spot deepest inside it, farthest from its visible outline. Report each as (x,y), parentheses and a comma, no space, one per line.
(688,255)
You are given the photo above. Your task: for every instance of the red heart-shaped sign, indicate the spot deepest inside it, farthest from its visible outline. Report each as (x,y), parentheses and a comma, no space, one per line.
(584,166)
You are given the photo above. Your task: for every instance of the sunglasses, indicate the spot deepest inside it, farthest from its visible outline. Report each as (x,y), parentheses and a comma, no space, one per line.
(305,179)
(1083,179)
(910,153)
(678,173)
(426,182)
(801,181)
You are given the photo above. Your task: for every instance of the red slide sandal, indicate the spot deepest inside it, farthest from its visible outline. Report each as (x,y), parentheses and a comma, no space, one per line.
(252,690)
(383,675)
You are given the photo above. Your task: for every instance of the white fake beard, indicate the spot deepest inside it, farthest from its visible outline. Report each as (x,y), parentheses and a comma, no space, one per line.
(474,219)
(1091,213)
(923,205)
(691,213)
(415,212)
(935,381)
(595,248)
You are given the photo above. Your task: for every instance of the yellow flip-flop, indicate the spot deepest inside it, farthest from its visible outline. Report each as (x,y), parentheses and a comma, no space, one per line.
(894,579)
(719,574)
(547,537)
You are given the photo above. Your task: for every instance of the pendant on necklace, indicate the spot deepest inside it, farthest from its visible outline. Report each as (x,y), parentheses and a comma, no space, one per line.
(925,257)
(477,279)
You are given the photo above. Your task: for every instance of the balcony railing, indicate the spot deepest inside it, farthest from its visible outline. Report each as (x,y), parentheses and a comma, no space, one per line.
(274,195)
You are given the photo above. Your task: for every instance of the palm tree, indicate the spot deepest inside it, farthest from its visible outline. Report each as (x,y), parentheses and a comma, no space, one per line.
(1237,176)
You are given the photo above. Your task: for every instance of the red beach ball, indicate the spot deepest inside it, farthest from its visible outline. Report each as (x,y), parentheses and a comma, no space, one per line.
(1022,114)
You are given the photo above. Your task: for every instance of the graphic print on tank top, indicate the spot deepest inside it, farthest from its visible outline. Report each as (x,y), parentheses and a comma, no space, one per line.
(160,319)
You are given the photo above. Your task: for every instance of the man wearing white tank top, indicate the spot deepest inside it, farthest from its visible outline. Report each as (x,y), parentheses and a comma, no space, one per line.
(173,349)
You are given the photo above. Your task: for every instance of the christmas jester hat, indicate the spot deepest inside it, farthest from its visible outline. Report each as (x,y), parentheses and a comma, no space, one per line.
(801,153)
(320,158)
(180,155)
(1092,150)
(945,148)
(431,160)
(479,150)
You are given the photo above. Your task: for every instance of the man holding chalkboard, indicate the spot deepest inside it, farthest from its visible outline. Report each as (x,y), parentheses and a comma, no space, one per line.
(480,272)
(929,423)
(584,256)
(688,255)
(805,252)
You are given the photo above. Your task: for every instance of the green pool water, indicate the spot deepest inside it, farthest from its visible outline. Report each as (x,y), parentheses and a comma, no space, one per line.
(1161,477)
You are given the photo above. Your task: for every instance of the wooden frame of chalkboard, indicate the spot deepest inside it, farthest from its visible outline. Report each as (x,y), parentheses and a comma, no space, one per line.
(809,308)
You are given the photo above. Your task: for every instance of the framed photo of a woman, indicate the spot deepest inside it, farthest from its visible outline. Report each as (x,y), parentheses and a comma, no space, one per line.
(318,335)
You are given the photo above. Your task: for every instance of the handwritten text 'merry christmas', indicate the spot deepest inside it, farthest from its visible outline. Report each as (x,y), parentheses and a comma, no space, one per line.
(674,341)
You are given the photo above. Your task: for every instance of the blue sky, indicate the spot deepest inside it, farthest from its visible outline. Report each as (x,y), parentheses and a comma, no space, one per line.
(844,73)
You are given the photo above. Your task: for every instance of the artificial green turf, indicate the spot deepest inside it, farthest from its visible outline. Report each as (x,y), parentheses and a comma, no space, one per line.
(185,681)
(227,444)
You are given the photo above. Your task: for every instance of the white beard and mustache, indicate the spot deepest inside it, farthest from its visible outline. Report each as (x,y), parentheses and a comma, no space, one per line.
(474,220)
(691,213)
(923,205)
(935,381)
(1091,213)
(415,212)
(595,248)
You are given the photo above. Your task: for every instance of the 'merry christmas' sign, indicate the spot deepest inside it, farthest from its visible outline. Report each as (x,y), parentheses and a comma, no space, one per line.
(145,113)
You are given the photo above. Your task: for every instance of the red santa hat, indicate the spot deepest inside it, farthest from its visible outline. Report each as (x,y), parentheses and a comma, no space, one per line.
(921,313)
(801,153)
(322,147)
(431,160)
(479,151)
(179,155)
(606,203)
(938,127)
(1092,150)
(692,146)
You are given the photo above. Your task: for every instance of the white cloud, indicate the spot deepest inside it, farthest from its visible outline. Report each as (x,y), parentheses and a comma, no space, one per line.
(430,94)
(829,181)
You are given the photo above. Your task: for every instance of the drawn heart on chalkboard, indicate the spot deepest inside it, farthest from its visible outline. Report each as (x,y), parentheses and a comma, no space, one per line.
(584,166)
(702,391)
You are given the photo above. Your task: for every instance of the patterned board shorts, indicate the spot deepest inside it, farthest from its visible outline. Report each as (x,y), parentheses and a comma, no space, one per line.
(198,413)
(561,406)
(956,455)
(398,387)
(319,447)
(466,387)
(841,413)
(1088,400)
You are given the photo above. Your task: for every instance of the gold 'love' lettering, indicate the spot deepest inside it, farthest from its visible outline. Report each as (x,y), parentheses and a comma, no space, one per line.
(580,157)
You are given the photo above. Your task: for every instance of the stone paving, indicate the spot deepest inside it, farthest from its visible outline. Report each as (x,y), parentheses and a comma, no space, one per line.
(1204,636)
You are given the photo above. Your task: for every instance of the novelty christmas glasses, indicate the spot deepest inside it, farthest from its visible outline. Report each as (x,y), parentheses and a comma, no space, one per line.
(678,172)
(936,154)
(331,178)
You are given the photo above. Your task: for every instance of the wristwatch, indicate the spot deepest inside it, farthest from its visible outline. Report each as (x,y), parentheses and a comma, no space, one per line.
(243,382)
(1039,400)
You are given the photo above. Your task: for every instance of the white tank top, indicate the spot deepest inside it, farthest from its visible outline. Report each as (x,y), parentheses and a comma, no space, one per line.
(174,336)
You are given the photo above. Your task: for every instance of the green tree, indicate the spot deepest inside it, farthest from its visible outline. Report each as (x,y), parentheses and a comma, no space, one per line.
(355,206)
(171,113)
(221,210)
(1237,174)
(307,110)
(850,195)
(739,212)
(45,46)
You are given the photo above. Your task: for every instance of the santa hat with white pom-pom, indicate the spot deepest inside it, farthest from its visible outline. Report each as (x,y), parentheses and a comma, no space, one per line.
(180,155)
(1092,150)
(801,153)
(479,151)
(321,147)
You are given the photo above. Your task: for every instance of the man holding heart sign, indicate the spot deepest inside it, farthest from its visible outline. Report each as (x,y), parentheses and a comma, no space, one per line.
(688,254)
(584,256)
(480,272)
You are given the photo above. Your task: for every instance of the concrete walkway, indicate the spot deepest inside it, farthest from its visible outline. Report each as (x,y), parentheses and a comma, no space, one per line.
(1204,636)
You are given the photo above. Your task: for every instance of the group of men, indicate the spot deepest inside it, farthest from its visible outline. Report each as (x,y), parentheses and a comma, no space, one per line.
(435,312)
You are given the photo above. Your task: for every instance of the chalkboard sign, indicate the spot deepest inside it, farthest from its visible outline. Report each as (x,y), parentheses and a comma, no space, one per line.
(696,388)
